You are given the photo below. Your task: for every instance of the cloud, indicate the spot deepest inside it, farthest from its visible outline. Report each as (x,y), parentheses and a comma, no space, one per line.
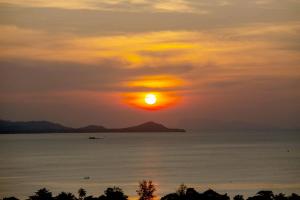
(208,58)
(118,20)
(174,6)
(114,5)
(21,76)
(45,76)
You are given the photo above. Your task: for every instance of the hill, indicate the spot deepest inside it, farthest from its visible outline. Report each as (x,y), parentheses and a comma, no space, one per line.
(148,127)
(31,127)
(50,127)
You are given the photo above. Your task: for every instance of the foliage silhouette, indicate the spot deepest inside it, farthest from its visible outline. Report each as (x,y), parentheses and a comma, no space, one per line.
(212,195)
(146,190)
(65,196)
(294,197)
(280,196)
(184,193)
(10,198)
(238,197)
(268,195)
(81,193)
(263,195)
(114,193)
(92,198)
(41,194)
(192,194)
(181,191)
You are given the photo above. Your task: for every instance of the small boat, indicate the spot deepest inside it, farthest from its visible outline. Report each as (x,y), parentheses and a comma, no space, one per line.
(94,138)
(86,177)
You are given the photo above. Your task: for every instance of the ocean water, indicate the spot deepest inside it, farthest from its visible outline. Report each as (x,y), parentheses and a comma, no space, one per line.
(232,162)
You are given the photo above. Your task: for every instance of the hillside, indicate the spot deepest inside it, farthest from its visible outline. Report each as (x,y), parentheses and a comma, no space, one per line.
(50,127)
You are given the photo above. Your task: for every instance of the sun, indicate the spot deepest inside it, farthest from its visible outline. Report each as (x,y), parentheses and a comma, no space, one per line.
(150,99)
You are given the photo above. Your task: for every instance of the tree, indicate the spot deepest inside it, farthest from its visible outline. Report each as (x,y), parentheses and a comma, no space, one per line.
(192,194)
(280,196)
(263,195)
(238,197)
(65,196)
(212,195)
(41,194)
(94,198)
(10,198)
(146,190)
(181,191)
(172,196)
(266,194)
(115,193)
(81,193)
(294,197)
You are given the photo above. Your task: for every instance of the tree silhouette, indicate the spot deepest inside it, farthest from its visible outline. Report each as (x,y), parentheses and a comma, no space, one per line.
(146,190)
(65,196)
(10,198)
(181,191)
(172,196)
(192,194)
(212,195)
(181,194)
(280,196)
(263,195)
(94,198)
(238,197)
(294,197)
(41,194)
(114,193)
(184,193)
(81,193)
(266,194)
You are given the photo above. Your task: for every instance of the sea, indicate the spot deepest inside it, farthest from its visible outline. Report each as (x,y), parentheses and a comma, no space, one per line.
(232,162)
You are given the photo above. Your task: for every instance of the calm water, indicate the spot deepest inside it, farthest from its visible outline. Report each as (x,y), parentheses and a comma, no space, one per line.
(233,162)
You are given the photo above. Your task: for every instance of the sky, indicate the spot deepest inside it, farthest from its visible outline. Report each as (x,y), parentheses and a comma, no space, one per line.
(210,63)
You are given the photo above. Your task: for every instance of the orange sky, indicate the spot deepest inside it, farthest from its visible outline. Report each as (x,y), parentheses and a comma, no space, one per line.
(79,62)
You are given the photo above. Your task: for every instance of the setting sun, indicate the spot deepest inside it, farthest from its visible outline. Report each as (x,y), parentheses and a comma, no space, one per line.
(153,92)
(150,99)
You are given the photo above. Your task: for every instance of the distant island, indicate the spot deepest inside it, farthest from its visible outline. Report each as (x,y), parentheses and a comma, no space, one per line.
(7,127)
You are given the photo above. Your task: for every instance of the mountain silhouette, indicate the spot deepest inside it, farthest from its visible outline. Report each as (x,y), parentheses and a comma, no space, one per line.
(50,127)
(149,127)
(90,129)
(31,127)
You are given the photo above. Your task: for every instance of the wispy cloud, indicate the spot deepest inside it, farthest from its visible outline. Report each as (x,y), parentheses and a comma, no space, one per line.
(117,5)
(207,58)
(115,22)
(174,6)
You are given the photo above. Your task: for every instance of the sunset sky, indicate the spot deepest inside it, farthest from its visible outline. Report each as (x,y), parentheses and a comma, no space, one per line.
(224,62)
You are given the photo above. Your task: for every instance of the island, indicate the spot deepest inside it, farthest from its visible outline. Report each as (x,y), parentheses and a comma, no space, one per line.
(8,127)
